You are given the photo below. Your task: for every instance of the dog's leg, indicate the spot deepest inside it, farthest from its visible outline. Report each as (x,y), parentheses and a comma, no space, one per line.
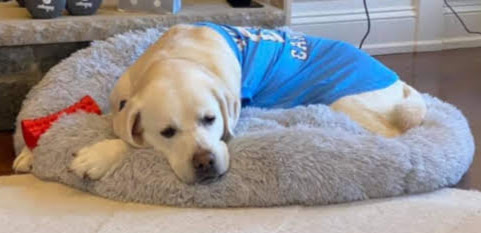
(375,122)
(410,112)
(24,161)
(388,112)
(100,159)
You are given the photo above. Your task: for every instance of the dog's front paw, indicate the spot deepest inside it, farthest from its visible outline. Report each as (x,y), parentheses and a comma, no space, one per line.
(98,160)
(24,161)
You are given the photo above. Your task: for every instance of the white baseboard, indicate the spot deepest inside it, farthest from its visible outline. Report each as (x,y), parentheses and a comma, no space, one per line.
(393,28)
(403,47)
(423,46)
(462,42)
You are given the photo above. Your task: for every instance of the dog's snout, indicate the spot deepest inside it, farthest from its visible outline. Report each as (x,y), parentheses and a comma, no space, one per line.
(204,165)
(203,161)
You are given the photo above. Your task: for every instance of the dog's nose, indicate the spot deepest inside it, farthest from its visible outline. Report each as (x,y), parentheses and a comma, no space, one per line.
(203,160)
(204,165)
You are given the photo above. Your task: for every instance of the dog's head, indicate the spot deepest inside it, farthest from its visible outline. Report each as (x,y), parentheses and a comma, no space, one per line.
(182,111)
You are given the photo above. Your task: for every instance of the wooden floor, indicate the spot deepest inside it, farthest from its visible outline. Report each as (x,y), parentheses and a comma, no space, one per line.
(454,76)
(6,153)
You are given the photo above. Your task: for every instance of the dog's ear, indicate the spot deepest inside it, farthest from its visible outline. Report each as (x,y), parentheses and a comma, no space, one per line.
(121,92)
(136,130)
(127,123)
(230,109)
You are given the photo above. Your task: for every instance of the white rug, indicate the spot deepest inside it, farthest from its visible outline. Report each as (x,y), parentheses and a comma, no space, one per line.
(30,205)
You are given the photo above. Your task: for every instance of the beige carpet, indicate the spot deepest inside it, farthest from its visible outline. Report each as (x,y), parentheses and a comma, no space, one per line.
(30,205)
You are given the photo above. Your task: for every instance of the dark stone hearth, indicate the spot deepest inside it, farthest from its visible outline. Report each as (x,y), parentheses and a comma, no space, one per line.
(16,59)
(49,55)
(13,89)
(21,67)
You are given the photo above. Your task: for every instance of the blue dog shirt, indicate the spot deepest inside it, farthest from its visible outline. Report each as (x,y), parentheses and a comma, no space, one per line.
(283,70)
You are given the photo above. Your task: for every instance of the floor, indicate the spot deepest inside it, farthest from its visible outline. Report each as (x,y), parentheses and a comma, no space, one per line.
(454,76)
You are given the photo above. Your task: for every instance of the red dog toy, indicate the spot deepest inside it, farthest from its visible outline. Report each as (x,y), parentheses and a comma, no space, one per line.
(33,129)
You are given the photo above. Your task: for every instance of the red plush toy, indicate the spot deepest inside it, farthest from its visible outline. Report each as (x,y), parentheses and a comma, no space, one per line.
(34,128)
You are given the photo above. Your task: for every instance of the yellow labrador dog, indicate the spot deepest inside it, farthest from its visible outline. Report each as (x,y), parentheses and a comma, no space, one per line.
(183,96)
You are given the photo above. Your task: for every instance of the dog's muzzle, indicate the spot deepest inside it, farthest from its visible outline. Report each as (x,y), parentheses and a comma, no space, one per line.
(205,167)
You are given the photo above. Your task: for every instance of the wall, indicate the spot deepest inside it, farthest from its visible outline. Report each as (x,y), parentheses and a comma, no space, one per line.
(397,25)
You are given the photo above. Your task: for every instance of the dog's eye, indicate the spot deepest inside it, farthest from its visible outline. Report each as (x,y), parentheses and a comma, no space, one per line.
(168,132)
(122,104)
(208,120)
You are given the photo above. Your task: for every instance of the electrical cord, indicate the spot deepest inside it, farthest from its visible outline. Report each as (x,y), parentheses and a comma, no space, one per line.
(460,19)
(368,17)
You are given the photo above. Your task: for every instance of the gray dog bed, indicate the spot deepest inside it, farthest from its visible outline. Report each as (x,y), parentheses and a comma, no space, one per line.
(308,155)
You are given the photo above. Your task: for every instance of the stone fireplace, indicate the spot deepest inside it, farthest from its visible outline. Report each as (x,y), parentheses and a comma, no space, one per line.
(29,47)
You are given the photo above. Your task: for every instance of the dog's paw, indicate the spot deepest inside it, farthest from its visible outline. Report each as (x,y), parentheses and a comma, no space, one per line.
(24,161)
(98,160)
